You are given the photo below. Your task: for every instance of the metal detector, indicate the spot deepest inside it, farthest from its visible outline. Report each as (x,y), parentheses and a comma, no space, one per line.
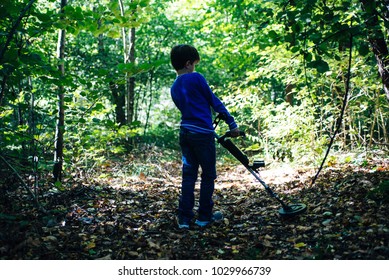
(286,210)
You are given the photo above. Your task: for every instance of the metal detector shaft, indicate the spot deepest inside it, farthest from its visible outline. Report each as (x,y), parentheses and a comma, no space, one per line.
(267,188)
(286,210)
(237,153)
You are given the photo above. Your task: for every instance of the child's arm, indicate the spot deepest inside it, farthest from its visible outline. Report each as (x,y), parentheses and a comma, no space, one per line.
(217,105)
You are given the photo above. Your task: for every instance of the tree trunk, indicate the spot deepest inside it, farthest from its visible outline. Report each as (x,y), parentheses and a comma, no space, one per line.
(289,94)
(377,42)
(59,132)
(150,101)
(129,57)
(117,90)
(120,102)
(131,80)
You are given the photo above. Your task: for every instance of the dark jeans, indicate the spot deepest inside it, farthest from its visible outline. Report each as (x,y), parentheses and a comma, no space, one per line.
(198,149)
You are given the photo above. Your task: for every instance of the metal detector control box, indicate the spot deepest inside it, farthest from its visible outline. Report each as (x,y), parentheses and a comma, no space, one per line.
(258,163)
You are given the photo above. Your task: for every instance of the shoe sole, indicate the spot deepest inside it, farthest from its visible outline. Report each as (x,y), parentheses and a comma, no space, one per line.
(202,224)
(183,226)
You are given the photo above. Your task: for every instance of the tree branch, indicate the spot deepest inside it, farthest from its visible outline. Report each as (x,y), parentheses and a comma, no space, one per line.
(26,187)
(339,121)
(14,27)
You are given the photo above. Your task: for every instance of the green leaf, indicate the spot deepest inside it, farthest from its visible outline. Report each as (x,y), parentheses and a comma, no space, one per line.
(320,65)
(272,34)
(99,106)
(254,147)
(308,57)
(364,49)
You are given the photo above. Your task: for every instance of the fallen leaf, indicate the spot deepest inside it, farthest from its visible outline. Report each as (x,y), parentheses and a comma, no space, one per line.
(133,253)
(267,243)
(50,238)
(90,245)
(107,257)
(153,245)
(142,176)
(299,245)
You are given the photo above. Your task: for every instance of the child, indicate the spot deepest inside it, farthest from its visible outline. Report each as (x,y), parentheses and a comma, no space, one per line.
(193,97)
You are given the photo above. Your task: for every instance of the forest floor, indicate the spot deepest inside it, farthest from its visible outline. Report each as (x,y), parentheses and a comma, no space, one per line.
(115,216)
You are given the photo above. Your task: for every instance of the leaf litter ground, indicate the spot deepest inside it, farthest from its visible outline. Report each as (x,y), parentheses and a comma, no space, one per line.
(122,217)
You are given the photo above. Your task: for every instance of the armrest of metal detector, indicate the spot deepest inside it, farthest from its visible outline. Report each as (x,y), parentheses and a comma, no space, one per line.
(237,153)
(228,134)
(234,150)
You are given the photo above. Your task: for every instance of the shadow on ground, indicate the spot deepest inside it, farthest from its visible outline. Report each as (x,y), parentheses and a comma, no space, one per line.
(347,218)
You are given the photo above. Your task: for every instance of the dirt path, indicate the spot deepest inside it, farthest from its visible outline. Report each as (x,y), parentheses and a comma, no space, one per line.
(117,217)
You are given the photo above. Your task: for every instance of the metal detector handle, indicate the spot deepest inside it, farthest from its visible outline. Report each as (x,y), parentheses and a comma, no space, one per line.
(228,134)
(222,116)
(219,117)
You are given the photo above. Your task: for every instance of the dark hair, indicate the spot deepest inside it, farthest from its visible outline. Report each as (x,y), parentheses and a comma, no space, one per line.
(180,54)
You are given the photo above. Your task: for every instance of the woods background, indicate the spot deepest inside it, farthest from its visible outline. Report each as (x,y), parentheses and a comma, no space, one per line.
(85,83)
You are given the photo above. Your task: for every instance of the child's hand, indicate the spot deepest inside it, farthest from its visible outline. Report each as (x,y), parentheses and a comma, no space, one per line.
(235,132)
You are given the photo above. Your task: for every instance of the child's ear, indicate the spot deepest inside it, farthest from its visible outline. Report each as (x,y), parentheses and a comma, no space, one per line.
(188,63)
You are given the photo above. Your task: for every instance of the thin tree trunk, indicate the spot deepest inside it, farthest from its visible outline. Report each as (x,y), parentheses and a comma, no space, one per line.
(117,90)
(120,102)
(150,101)
(129,57)
(59,132)
(378,43)
(131,82)
(372,128)
(386,139)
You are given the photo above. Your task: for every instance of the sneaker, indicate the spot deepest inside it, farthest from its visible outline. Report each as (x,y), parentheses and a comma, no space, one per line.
(216,217)
(182,224)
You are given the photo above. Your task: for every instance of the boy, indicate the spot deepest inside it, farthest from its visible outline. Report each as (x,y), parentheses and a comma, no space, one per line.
(194,98)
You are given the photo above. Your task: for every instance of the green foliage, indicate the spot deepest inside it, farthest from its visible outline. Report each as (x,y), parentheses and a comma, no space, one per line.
(288,132)
(280,67)
(93,142)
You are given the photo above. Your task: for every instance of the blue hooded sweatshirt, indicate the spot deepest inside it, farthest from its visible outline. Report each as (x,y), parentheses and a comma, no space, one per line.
(194,98)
